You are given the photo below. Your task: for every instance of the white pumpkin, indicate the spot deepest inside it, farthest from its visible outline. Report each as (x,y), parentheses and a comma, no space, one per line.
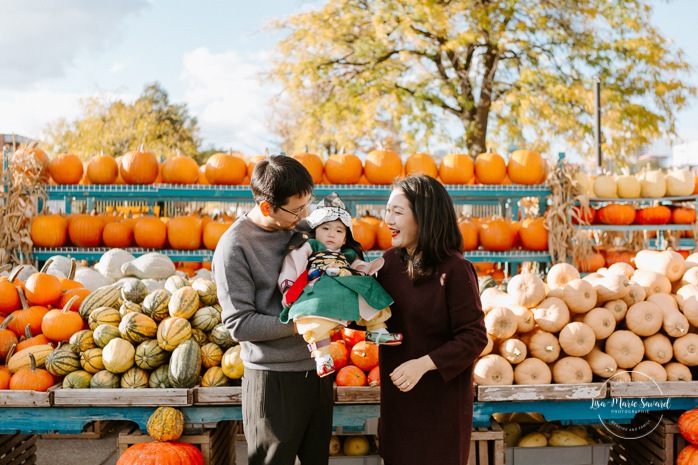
(110,263)
(679,182)
(605,186)
(584,185)
(532,371)
(653,184)
(527,289)
(560,274)
(628,187)
(152,265)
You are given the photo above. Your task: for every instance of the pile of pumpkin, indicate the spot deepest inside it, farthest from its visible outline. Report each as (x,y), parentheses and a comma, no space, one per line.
(688,427)
(621,322)
(648,184)
(626,213)
(137,332)
(380,167)
(355,360)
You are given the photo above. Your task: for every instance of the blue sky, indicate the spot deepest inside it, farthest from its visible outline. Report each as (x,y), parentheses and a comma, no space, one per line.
(206,54)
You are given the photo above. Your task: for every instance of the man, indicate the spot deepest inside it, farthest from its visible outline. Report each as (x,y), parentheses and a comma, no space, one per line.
(287,408)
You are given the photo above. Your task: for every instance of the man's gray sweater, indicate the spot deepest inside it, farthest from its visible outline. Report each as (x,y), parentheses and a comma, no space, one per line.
(246,267)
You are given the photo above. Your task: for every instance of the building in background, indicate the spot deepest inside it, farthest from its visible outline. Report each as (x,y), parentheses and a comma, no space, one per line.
(686,154)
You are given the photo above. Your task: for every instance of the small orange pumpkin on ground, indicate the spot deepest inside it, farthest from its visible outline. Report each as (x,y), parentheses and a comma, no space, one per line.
(351,375)
(364,355)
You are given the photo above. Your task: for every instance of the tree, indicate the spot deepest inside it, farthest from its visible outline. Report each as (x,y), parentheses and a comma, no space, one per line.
(477,73)
(115,127)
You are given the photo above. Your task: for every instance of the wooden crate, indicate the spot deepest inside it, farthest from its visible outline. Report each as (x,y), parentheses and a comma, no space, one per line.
(535,392)
(487,446)
(93,430)
(660,447)
(175,397)
(17,449)
(357,394)
(217,445)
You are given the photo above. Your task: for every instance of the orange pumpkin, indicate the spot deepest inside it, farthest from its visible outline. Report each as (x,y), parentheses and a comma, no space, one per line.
(86,230)
(616,213)
(351,375)
(32,379)
(9,298)
(586,215)
(30,340)
(160,452)
(60,324)
(364,355)
(66,168)
(526,167)
(456,168)
(184,233)
(382,166)
(469,230)
(363,233)
(688,425)
(688,455)
(660,214)
(312,163)
(7,338)
(42,289)
(202,176)
(80,292)
(373,221)
(150,232)
(27,315)
(497,234)
(102,169)
(49,231)
(225,169)
(591,263)
(213,232)
(384,237)
(351,337)
(339,354)
(490,168)
(139,167)
(374,376)
(252,162)
(533,234)
(343,168)
(683,215)
(180,170)
(5,376)
(117,234)
(421,163)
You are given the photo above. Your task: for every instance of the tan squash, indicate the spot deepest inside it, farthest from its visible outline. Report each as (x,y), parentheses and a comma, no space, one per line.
(626,348)
(674,323)
(492,370)
(572,370)
(532,371)
(576,339)
(601,364)
(601,321)
(652,282)
(653,184)
(680,182)
(118,356)
(554,293)
(513,350)
(663,301)
(667,262)
(628,186)
(488,348)
(618,309)
(611,287)
(658,348)
(647,370)
(686,349)
(692,260)
(621,268)
(635,294)
(551,314)
(525,321)
(644,318)
(579,296)
(690,276)
(542,345)
(560,274)
(493,297)
(605,186)
(526,289)
(622,376)
(501,323)
(687,299)
(676,371)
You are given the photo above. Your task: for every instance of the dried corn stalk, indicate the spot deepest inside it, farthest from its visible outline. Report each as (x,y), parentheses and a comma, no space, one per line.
(23,187)
(565,243)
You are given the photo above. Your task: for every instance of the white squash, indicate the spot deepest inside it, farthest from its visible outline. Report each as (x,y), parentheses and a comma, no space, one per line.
(653,184)
(667,262)
(513,350)
(675,323)
(647,370)
(601,364)
(501,323)
(617,307)
(584,185)
(601,321)
(560,274)
(542,345)
(687,299)
(577,339)
(658,348)
(679,182)
(692,260)
(91,279)
(551,314)
(60,266)
(690,276)
(152,265)
(635,294)
(652,282)
(532,371)
(605,186)
(110,263)
(493,297)
(153,284)
(628,187)
(644,318)
(555,293)
(610,287)
(572,370)
(626,348)
(527,289)
(492,370)
(488,348)
(686,350)
(579,296)
(525,321)
(674,372)
(621,268)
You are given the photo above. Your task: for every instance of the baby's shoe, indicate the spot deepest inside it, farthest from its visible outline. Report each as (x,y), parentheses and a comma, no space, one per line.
(383,338)
(324,365)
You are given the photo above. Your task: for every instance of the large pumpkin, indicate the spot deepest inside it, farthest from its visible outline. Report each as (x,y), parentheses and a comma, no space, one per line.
(150,232)
(184,233)
(86,231)
(102,169)
(180,170)
(456,168)
(688,455)
(363,233)
(213,232)
(345,168)
(421,163)
(688,426)
(490,168)
(659,214)
(615,213)
(225,169)
(469,230)
(117,234)
(312,163)
(382,166)
(533,234)
(526,167)
(66,168)
(170,453)
(497,234)
(49,231)
(139,167)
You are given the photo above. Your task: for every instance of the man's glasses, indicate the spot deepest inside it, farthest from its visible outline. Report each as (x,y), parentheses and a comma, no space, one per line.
(297,214)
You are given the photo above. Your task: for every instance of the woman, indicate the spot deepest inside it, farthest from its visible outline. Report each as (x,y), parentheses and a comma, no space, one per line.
(426,383)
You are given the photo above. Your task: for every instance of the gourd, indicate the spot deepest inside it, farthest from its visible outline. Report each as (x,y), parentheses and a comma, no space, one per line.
(601,321)
(621,268)
(605,187)
(571,370)
(166,424)
(137,327)
(688,426)
(560,274)
(214,377)
(79,379)
(155,304)
(172,332)
(551,314)
(579,295)
(149,355)
(601,364)
(679,182)
(491,370)
(207,291)
(199,336)
(105,333)
(493,297)
(211,355)
(576,339)
(488,348)
(685,350)
(134,378)
(668,263)
(621,376)
(175,282)
(543,345)
(626,348)
(501,323)
(658,348)
(118,355)
(151,265)
(104,316)
(644,318)
(91,279)
(653,184)
(22,361)
(104,379)
(652,282)
(231,363)
(221,336)
(647,370)
(184,302)
(205,319)
(82,340)
(513,350)
(526,289)
(525,321)
(107,296)
(185,365)
(628,187)
(532,371)
(111,261)
(91,360)
(129,307)
(635,294)
(132,290)
(62,362)
(159,378)
(611,287)
(677,372)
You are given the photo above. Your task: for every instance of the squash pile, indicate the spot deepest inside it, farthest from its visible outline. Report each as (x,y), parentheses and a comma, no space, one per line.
(621,322)
(355,360)
(650,184)
(531,430)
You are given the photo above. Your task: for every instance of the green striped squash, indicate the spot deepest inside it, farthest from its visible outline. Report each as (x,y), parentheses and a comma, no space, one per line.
(77,380)
(207,291)
(175,282)
(221,336)
(166,424)
(91,360)
(184,302)
(104,316)
(199,337)
(205,319)
(137,327)
(62,362)
(155,304)
(21,360)
(66,346)
(118,355)
(159,378)
(149,355)
(185,365)
(105,333)
(214,376)
(104,380)
(105,296)
(129,307)
(211,355)
(134,378)
(82,340)
(172,332)
(132,290)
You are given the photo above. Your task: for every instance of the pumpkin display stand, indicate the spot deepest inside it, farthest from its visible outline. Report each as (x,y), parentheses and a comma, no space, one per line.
(217,445)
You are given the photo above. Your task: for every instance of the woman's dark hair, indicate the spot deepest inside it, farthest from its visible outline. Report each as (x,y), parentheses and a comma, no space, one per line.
(277,178)
(437,225)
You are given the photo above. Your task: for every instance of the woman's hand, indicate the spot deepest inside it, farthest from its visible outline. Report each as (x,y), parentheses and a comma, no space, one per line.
(407,375)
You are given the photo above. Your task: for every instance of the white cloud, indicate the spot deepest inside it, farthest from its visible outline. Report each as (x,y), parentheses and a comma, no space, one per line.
(225,93)
(41,38)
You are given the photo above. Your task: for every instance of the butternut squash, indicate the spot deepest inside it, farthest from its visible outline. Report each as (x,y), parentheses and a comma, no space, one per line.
(572,370)
(690,276)
(488,348)
(532,371)
(618,309)
(579,295)
(622,376)
(644,318)
(635,294)
(560,274)
(611,287)
(551,314)
(674,372)
(621,268)
(652,282)
(576,339)
(601,364)
(686,349)
(658,348)
(542,345)
(674,323)
(526,289)
(525,321)
(513,350)
(687,299)
(501,323)
(668,263)
(601,321)
(493,297)
(626,348)
(491,370)
(647,370)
